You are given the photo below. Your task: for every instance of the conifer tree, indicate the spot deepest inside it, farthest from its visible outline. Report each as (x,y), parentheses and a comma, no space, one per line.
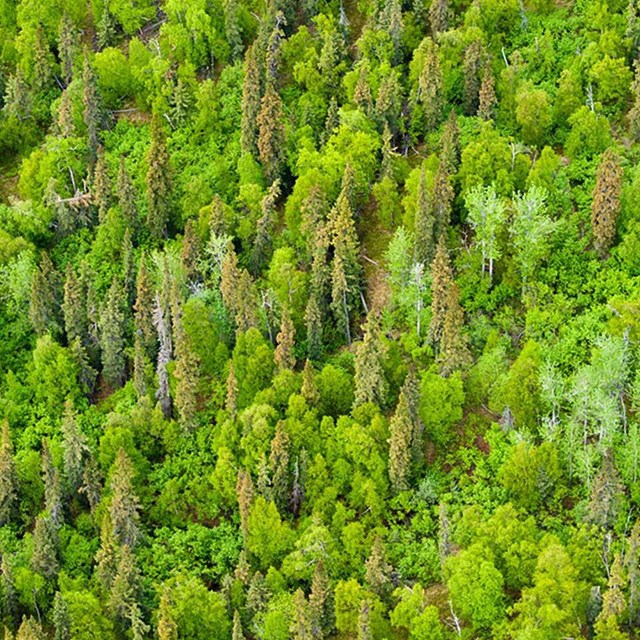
(487,96)
(75,448)
(73,307)
(231,402)
(187,372)
(258,594)
(67,47)
(453,353)
(313,324)
(265,228)
(271,134)
(107,555)
(251,100)
(369,378)
(18,100)
(44,302)
(332,121)
(424,238)
(66,126)
(309,389)
(112,340)
(389,101)
(8,595)
(439,15)
(106,27)
(472,65)
(237,633)
(91,483)
(190,252)
(143,309)
(158,182)
(45,543)
(429,90)
(442,199)
(450,144)
(91,104)
(124,507)
(30,630)
(320,602)
(606,201)
(633,116)
(245,493)
(606,494)
(401,431)
(167,627)
(61,618)
(283,354)
(8,477)
(52,486)
(42,61)
(279,464)
(101,188)
(362,90)
(444,534)
(364,621)
(377,571)
(162,321)
(301,628)
(126,194)
(614,604)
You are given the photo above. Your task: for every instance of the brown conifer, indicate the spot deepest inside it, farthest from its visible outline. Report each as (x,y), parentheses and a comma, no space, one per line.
(487,96)
(453,353)
(472,65)
(283,355)
(271,134)
(251,97)
(101,188)
(606,201)
(441,279)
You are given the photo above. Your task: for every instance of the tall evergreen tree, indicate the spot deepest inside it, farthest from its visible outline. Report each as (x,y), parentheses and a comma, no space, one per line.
(251,99)
(73,307)
(127,195)
(441,280)
(167,627)
(52,486)
(283,354)
(377,570)
(67,47)
(112,338)
(320,602)
(91,104)
(487,96)
(75,448)
(401,431)
(428,94)
(158,182)
(370,382)
(450,144)
(124,507)
(44,303)
(101,188)
(45,547)
(61,618)
(279,461)
(606,201)
(424,238)
(42,61)
(271,134)
(453,353)
(8,477)
(301,627)
(442,202)
(472,65)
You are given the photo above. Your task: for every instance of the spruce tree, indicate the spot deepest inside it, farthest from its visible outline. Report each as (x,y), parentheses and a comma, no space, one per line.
(8,477)
(606,201)
(245,494)
(441,280)
(52,486)
(401,431)
(453,353)
(143,309)
(442,200)
(309,388)
(632,565)
(124,592)
(424,238)
(364,621)
(271,134)
(8,594)
(187,373)
(66,127)
(101,188)
(167,627)
(44,303)
(30,630)
(472,65)
(362,90)
(112,339)
(265,229)
(18,100)
(106,27)
(42,61)
(279,459)
(301,626)
(439,14)
(370,382)
(377,571)
(73,307)
(313,324)
(74,448)
(607,491)
(251,100)
(189,256)
(237,633)
(158,182)
(45,547)
(487,96)
(232,28)
(124,507)
(231,401)
(61,618)
(67,47)
(320,602)
(284,353)
(429,91)
(450,144)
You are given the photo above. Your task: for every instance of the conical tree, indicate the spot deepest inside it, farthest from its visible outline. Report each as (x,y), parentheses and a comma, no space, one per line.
(442,200)
(251,100)
(320,602)
(271,134)
(67,47)
(73,307)
(112,341)
(61,618)
(91,104)
(424,239)
(606,201)
(8,594)
(439,15)
(453,353)
(42,61)
(301,628)
(309,389)
(45,544)
(487,98)
(283,355)
(44,301)
(167,627)
(377,571)
(8,477)
(370,382)
(126,194)
(124,508)
(265,229)
(158,182)
(187,373)
(429,91)
(52,486)
(401,428)
(450,144)
(101,188)
(245,493)
(75,448)
(364,621)
(472,65)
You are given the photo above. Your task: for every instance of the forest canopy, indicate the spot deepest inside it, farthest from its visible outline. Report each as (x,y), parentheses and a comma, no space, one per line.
(319,319)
